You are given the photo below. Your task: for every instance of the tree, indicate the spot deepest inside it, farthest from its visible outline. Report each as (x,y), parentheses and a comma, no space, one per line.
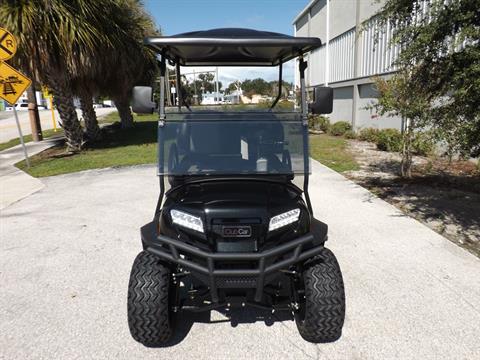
(286,87)
(207,82)
(256,86)
(54,38)
(439,63)
(83,47)
(122,61)
(395,100)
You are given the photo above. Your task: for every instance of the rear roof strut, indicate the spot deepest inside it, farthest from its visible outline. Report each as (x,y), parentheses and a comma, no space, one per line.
(279,86)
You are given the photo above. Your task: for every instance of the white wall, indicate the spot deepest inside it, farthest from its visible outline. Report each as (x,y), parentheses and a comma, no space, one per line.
(342,104)
(370,118)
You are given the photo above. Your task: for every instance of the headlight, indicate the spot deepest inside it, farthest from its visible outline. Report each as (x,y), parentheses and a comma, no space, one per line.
(186,220)
(283,219)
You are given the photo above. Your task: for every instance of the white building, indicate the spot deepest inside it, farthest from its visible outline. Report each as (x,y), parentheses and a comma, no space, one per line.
(351,58)
(211,98)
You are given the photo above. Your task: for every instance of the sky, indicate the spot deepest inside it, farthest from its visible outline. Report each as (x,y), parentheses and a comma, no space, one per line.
(179,16)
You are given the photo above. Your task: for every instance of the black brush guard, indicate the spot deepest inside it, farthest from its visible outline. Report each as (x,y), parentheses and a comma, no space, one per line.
(298,250)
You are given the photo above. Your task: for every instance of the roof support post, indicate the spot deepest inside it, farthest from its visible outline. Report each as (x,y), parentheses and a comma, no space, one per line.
(161,105)
(302,65)
(178,85)
(161,124)
(280,67)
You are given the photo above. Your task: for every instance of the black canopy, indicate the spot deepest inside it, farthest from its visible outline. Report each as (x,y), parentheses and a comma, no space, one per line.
(232,47)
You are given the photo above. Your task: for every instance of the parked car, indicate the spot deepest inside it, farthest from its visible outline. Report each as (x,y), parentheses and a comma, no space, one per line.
(23,107)
(18,106)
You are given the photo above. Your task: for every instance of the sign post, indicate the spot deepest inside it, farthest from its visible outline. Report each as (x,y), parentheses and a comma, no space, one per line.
(27,160)
(12,82)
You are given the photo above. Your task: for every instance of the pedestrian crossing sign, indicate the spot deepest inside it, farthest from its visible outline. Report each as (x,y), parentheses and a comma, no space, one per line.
(12,83)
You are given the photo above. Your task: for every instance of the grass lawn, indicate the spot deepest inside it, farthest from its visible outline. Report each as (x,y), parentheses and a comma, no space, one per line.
(139,146)
(27,138)
(119,147)
(112,117)
(332,152)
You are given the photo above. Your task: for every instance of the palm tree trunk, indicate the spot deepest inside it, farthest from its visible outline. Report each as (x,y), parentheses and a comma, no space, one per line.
(123,107)
(63,100)
(90,117)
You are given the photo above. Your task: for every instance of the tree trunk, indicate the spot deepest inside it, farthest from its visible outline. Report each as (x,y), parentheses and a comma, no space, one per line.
(406,164)
(63,100)
(89,117)
(35,124)
(123,107)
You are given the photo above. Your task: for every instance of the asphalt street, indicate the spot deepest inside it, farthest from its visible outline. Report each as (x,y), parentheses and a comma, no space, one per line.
(66,253)
(8,128)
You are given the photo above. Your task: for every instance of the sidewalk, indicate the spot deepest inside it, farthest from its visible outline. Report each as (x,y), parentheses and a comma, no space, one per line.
(14,183)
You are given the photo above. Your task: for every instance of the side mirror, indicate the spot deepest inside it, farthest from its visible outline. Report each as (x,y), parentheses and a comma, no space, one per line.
(142,100)
(323,101)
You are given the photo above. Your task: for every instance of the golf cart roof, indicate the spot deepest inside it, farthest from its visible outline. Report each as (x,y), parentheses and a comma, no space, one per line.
(231,47)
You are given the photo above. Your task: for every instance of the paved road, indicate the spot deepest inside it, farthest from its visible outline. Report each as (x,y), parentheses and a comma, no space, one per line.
(8,128)
(66,253)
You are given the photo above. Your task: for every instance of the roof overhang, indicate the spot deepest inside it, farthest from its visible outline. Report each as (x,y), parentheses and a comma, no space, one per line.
(231,47)
(304,11)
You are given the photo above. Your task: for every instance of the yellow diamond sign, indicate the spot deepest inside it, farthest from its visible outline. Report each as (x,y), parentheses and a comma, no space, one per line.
(8,44)
(12,83)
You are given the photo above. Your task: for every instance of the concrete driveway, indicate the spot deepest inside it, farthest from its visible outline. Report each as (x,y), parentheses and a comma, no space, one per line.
(66,253)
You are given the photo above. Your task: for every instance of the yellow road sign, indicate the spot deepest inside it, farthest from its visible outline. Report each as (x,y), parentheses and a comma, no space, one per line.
(46,94)
(12,83)
(8,44)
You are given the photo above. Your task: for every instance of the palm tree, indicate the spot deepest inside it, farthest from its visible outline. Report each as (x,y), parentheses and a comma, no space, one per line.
(129,62)
(121,62)
(55,38)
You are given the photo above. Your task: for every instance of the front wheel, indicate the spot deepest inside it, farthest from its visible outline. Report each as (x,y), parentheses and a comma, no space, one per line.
(151,295)
(321,299)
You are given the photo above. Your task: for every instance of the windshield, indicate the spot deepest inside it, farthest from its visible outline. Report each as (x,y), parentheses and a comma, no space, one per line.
(231,144)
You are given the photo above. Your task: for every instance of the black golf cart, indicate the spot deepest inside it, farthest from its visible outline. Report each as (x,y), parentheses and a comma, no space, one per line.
(234,230)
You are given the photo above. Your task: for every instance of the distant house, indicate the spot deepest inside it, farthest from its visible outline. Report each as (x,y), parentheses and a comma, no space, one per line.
(234,97)
(256,99)
(353,57)
(211,98)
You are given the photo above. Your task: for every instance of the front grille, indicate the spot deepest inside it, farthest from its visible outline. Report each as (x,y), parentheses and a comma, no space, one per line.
(236,282)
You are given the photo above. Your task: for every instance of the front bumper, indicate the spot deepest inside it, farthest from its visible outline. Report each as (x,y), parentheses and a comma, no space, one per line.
(266,262)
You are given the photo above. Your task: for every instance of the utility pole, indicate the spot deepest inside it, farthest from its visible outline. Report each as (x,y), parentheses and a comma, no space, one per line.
(35,123)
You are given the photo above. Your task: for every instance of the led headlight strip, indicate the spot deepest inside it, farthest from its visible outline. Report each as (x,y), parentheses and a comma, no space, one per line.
(186,220)
(281,220)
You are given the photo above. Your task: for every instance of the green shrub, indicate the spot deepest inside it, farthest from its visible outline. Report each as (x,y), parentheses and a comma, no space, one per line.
(340,128)
(368,134)
(422,144)
(324,123)
(389,140)
(350,134)
(312,121)
(318,122)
